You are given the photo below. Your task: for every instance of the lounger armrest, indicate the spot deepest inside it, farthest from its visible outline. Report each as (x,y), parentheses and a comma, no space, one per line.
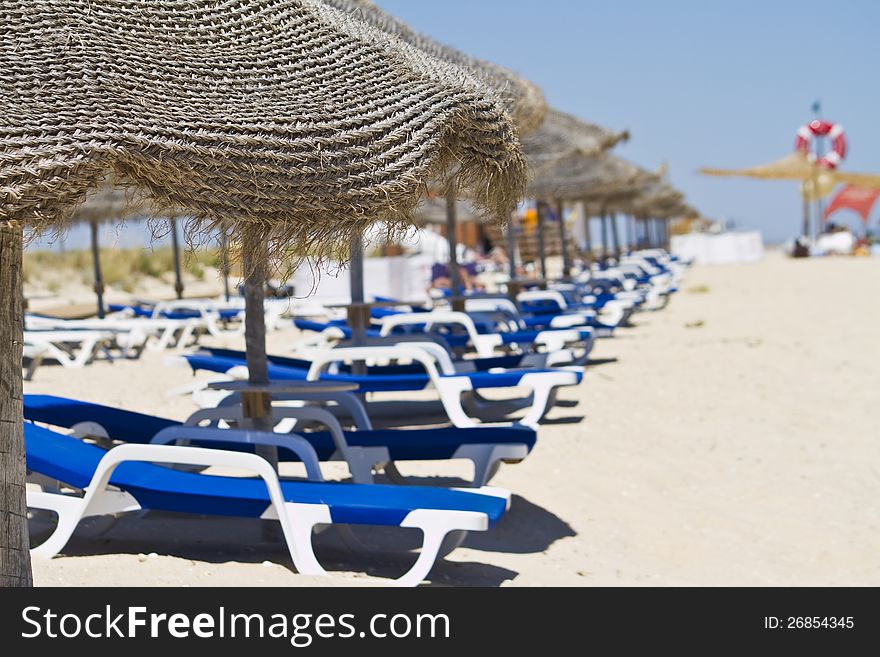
(320,360)
(307,413)
(296,444)
(346,400)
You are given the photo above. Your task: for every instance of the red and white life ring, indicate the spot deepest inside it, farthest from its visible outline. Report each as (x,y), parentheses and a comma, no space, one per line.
(820,128)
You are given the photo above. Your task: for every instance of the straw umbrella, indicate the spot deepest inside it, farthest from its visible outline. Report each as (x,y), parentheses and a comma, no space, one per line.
(111,204)
(798,167)
(286,125)
(561,137)
(657,201)
(599,181)
(523,100)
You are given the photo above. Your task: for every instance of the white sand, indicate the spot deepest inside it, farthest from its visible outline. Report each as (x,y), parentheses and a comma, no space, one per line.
(733,442)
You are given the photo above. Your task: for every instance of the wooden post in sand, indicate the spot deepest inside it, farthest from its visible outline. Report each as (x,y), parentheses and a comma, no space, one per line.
(15,559)
(563,240)
(615,235)
(452,241)
(542,252)
(96,264)
(512,284)
(175,247)
(588,222)
(256,406)
(805,230)
(603,217)
(628,220)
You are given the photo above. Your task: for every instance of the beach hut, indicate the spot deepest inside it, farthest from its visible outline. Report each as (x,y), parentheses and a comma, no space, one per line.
(291,127)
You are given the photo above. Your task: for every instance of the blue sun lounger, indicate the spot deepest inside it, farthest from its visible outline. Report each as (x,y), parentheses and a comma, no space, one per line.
(542,383)
(363,449)
(478,334)
(139,484)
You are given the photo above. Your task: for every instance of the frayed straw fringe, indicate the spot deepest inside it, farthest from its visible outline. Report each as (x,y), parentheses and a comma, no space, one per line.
(289,118)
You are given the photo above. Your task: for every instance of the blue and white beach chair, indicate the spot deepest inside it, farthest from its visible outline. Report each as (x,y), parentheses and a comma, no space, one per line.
(426,368)
(364,449)
(126,479)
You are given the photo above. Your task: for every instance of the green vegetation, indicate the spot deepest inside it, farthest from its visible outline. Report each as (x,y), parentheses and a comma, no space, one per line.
(121,267)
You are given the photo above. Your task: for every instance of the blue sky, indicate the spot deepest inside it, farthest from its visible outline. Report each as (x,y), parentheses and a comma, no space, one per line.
(697,82)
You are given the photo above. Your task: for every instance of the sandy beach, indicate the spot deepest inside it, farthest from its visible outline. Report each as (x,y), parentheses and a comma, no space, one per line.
(728,440)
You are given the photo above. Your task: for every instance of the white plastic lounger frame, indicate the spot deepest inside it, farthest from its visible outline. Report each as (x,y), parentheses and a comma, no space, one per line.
(60,345)
(450,386)
(297,520)
(361,461)
(34,355)
(128,337)
(484,345)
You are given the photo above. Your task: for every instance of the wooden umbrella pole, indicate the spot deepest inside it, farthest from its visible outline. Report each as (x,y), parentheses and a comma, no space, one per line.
(358,314)
(512,285)
(628,220)
(96,264)
(615,235)
(175,247)
(358,311)
(805,229)
(452,242)
(256,406)
(542,255)
(587,235)
(563,240)
(603,218)
(15,561)
(224,263)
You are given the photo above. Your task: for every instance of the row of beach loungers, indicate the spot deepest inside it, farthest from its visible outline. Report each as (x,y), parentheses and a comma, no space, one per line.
(88,459)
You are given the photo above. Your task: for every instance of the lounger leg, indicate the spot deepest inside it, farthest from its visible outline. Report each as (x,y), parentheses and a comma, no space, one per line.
(163,340)
(69,511)
(301,521)
(542,393)
(36,361)
(450,390)
(435,525)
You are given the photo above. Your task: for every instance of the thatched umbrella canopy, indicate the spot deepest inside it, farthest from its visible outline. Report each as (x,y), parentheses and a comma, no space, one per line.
(524,100)
(561,135)
(597,180)
(286,124)
(114,204)
(289,119)
(562,145)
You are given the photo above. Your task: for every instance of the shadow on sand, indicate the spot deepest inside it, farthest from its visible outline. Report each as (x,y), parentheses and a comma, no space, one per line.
(378,552)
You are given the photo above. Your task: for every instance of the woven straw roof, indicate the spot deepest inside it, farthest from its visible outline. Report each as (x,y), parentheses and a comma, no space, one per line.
(523,99)
(655,198)
(796,166)
(288,118)
(432,210)
(577,177)
(562,135)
